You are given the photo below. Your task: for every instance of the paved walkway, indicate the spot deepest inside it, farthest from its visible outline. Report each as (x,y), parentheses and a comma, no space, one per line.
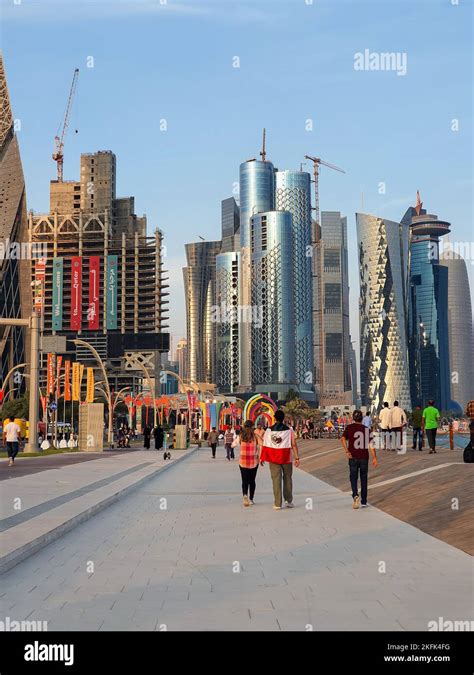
(182,552)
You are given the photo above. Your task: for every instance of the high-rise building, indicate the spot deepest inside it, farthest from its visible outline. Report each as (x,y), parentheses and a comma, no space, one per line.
(332,322)
(257,195)
(272,301)
(293,194)
(384,275)
(354,378)
(230,220)
(461,334)
(200,293)
(15,289)
(182,359)
(428,337)
(227,329)
(103,283)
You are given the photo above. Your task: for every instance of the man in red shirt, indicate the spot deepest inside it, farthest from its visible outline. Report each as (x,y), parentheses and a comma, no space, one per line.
(357,441)
(278,444)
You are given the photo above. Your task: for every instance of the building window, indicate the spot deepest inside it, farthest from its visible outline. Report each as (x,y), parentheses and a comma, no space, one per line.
(332,261)
(333,346)
(332,298)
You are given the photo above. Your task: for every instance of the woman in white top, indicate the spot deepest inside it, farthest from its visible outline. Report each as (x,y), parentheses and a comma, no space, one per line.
(11,438)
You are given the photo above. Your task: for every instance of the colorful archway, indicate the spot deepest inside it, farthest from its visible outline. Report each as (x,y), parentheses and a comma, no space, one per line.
(260,406)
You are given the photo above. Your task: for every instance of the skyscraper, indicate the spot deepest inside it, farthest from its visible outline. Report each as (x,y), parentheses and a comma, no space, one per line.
(333,336)
(428,338)
(227,329)
(257,194)
(230,222)
(200,293)
(182,358)
(272,326)
(293,194)
(15,289)
(384,274)
(461,334)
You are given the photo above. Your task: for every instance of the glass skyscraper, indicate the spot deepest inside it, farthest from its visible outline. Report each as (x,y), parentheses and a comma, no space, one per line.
(293,194)
(384,273)
(460,329)
(428,337)
(257,194)
(272,327)
(227,330)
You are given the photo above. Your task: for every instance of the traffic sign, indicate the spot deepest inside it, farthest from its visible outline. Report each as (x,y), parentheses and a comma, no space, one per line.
(53,406)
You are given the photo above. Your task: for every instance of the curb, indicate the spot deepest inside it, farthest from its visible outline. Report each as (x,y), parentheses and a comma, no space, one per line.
(26,550)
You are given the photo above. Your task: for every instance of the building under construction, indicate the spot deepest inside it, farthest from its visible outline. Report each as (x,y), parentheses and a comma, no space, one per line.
(103,279)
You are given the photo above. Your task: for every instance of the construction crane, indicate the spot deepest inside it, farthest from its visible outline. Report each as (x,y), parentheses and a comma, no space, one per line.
(317,272)
(58,154)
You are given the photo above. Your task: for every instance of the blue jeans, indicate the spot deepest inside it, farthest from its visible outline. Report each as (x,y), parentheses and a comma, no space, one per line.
(417,438)
(357,466)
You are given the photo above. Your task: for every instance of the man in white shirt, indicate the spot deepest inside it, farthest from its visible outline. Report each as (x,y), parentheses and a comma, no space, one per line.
(11,438)
(384,424)
(398,421)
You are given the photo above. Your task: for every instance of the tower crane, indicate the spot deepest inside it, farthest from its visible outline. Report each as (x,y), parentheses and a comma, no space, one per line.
(317,274)
(58,154)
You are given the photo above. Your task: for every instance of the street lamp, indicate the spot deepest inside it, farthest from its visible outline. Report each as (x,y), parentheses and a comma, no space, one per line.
(77,341)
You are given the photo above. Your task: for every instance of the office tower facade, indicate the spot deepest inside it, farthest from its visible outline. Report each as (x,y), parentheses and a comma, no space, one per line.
(257,195)
(332,341)
(428,336)
(200,293)
(15,290)
(384,274)
(293,195)
(272,301)
(227,329)
(354,378)
(182,359)
(460,329)
(230,222)
(105,286)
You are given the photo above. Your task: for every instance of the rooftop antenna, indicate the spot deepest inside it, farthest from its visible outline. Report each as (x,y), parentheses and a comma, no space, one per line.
(263,153)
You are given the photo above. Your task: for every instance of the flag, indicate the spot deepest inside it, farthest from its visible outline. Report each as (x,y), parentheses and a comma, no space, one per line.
(90,386)
(76,384)
(59,363)
(67,383)
(277,446)
(50,374)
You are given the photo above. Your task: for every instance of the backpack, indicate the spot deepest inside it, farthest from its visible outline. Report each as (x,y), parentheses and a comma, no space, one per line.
(468,454)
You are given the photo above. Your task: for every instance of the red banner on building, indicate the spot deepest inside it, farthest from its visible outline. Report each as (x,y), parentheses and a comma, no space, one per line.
(76,293)
(50,374)
(38,287)
(67,380)
(94,286)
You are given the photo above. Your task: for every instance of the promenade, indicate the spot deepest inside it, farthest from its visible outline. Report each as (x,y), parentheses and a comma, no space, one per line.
(180,552)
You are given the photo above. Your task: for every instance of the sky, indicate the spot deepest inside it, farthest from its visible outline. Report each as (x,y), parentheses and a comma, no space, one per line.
(181,90)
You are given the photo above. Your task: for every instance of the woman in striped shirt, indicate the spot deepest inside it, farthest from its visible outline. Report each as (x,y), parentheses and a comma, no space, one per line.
(249,458)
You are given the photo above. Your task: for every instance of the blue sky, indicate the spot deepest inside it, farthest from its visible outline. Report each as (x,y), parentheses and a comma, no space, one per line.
(173,60)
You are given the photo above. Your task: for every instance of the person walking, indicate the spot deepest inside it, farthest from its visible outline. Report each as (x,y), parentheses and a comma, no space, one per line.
(417,421)
(384,424)
(357,442)
(398,421)
(146,437)
(278,444)
(228,440)
(248,461)
(367,421)
(12,438)
(430,425)
(159,436)
(212,441)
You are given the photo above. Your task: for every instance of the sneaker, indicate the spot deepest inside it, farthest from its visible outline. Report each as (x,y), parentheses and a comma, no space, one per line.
(246,501)
(289,505)
(276,508)
(251,502)
(356,502)
(364,506)
(10,463)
